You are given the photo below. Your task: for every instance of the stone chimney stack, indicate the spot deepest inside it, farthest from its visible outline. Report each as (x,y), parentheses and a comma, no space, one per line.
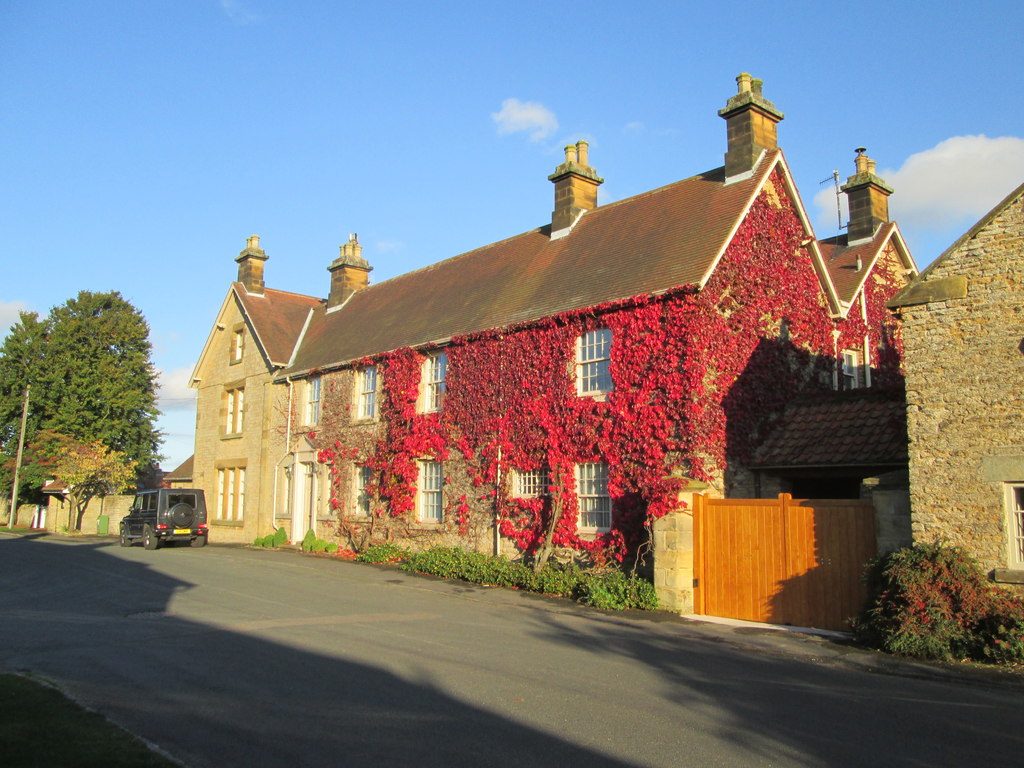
(250,265)
(576,186)
(350,272)
(751,126)
(868,197)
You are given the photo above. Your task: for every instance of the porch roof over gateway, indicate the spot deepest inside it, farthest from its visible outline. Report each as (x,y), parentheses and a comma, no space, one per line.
(842,429)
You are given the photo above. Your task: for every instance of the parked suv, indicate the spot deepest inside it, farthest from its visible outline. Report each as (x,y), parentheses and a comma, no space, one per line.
(166,514)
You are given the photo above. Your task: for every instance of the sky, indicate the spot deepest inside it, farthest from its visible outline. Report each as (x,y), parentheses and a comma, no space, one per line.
(142,142)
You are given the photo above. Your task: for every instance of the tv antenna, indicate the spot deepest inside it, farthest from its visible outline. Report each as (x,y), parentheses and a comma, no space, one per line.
(834,178)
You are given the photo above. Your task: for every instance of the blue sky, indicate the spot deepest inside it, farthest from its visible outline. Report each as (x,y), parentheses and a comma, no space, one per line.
(140,143)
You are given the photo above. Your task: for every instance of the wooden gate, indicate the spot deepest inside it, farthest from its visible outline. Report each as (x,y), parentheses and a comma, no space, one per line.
(782,561)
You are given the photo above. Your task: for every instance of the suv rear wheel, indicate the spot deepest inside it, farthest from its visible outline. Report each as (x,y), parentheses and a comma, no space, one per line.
(149,539)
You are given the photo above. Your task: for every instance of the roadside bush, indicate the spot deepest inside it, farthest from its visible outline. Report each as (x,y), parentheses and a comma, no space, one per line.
(310,543)
(557,579)
(272,540)
(612,590)
(932,601)
(616,591)
(383,553)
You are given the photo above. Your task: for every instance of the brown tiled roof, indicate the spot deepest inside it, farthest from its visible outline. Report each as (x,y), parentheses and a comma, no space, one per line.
(859,428)
(183,472)
(841,260)
(277,318)
(54,486)
(649,243)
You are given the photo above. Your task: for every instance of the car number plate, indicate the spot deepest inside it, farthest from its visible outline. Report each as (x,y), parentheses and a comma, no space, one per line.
(178,531)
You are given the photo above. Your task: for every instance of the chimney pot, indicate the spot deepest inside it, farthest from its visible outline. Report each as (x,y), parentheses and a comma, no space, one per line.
(583,152)
(744,82)
(350,272)
(253,241)
(570,153)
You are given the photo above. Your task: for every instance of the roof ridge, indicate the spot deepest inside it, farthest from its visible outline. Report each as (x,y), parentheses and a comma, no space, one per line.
(540,229)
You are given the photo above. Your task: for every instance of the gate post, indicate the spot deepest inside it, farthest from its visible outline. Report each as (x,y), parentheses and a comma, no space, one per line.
(673,553)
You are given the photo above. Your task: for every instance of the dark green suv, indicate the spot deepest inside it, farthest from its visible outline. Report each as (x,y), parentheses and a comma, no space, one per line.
(166,514)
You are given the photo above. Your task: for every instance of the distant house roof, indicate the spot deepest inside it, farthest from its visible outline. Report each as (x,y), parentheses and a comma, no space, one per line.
(277,318)
(183,472)
(54,486)
(647,244)
(841,259)
(840,429)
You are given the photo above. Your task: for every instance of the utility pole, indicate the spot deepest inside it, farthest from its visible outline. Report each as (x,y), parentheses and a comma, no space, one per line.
(17,462)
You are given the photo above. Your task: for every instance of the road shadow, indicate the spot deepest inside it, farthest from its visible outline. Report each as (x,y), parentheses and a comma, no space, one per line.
(228,698)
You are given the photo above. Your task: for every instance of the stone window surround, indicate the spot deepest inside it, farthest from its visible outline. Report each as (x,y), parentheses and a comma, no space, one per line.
(361,500)
(311,401)
(1005,471)
(237,349)
(230,490)
(233,414)
(434,376)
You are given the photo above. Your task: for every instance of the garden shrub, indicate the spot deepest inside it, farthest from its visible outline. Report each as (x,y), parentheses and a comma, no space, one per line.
(383,553)
(272,540)
(616,591)
(932,601)
(612,590)
(310,543)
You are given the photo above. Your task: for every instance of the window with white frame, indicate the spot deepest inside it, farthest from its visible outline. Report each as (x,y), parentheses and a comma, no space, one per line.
(435,374)
(312,414)
(237,345)
(852,370)
(431,485)
(366,393)
(592,491)
(230,493)
(234,407)
(1015,512)
(593,362)
(530,483)
(363,475)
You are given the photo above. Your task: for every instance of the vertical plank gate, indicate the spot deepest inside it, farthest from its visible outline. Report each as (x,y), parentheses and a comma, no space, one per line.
(782,561)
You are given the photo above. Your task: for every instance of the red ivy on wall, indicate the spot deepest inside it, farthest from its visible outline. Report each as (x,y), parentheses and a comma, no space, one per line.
(697,377)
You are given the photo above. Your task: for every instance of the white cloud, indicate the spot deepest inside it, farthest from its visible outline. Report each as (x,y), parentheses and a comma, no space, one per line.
(239,12)
(634,128)
(173,392)
(388,246)
(948,186)
(525,116)
(9,315)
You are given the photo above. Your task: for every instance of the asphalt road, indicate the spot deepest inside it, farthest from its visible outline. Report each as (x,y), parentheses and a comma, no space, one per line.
(224,656)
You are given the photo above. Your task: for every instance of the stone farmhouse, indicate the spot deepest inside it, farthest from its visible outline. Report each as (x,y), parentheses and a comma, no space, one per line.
(963,329)
(559,388)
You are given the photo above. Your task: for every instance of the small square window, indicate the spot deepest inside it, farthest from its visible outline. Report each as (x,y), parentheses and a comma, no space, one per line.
(531,483)
(852,370)
(593,362)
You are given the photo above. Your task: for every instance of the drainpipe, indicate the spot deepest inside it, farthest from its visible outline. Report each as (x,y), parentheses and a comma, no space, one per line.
(287,445)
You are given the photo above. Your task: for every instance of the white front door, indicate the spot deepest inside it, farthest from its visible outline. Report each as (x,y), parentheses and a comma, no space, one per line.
(304,500)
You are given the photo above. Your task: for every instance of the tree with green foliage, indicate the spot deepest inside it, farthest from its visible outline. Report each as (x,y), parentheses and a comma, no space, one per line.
(92,380)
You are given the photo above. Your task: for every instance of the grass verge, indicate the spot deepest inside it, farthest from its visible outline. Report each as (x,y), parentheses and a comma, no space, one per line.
(40,726)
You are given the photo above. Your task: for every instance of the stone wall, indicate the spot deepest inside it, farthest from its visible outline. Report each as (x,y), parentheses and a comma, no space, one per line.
(60,517)
(964,357)
(256,447)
